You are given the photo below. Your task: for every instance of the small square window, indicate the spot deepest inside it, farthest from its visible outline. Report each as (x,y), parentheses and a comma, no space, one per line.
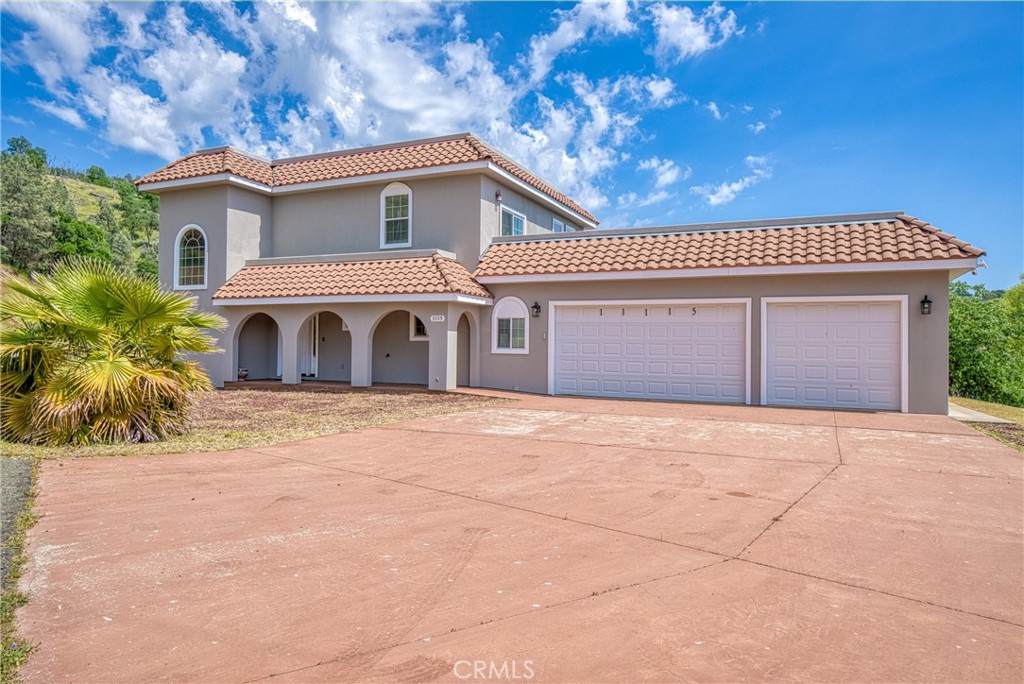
(557,226)
(417,329)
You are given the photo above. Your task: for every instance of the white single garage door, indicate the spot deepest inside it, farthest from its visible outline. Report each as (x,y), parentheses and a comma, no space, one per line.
(836,354)
(689,351)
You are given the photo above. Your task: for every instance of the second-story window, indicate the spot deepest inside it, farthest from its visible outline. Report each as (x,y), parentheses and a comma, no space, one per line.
(396,216)
(512,223)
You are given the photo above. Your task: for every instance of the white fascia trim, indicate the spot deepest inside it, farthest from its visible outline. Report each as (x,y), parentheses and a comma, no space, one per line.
(530,190)
(229,178)
(745,301)
(903,301)
(356,299)
(736,271)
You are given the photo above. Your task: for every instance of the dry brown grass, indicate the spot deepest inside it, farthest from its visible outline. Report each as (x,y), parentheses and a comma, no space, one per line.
(247,418)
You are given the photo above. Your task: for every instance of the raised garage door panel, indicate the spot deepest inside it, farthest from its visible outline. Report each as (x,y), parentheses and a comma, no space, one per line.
(694,351)
(844,355)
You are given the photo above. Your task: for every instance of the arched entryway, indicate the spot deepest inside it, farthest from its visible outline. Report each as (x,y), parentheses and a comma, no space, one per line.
(464,362)
(325,348)
(401,350)
(259,348)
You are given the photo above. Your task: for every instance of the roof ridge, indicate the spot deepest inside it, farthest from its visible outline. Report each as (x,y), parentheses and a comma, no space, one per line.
(442,267)
(370,149)
(482,148)
(941,234)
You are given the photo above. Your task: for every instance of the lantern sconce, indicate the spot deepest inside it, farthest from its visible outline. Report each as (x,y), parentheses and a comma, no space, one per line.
(535,310)
(926,306)
(497,199)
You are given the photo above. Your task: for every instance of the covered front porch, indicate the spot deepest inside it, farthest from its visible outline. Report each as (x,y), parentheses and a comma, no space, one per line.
(409,317)
(431,343)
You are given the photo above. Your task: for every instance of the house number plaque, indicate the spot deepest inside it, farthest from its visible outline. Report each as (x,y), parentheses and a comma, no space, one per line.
(437,318)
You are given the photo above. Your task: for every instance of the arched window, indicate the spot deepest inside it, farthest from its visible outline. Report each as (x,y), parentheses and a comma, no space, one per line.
(190,259)
(510,327)
(396,216)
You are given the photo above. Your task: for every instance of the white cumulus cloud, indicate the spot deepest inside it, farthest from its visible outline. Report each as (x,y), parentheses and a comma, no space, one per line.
(65,114)
(682,35)
(585,20)
(666,172)
(756,128)
(726,192)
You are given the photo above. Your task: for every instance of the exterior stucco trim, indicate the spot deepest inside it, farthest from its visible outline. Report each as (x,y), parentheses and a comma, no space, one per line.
(904,336)
(199,181)
(356,299)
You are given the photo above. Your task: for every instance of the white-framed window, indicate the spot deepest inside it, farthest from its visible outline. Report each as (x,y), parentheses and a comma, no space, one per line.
(417,329)
(190,262)
(560,226)
(510,327)
(512,222)
(396,216)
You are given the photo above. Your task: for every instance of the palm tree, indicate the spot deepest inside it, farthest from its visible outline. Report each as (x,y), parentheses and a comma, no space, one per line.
(93,354)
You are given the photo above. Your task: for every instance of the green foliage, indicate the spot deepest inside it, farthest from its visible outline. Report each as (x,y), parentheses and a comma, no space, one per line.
(1014,299)
(26,224)
(74,237)
(986,345)
(41,225)
(91,354)
(21,147)
(97,176)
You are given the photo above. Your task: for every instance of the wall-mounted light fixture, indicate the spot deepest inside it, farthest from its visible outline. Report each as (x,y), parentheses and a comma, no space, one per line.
(535,310)
(497,196)
(926,306)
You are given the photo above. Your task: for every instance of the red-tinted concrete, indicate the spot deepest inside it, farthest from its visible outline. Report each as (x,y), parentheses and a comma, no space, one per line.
(571,540)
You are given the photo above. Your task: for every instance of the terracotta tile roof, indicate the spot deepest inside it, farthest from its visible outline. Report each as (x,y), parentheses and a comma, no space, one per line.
(437,152)
(901,238)
(421,275)
(210,163)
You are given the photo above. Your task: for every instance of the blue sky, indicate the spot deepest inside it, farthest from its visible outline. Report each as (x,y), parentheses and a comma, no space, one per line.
(647,113)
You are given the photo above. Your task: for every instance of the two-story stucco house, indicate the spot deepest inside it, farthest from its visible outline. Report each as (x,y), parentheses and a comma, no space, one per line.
(442,262)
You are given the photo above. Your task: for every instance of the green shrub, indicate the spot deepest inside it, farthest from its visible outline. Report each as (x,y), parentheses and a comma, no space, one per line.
(986,345)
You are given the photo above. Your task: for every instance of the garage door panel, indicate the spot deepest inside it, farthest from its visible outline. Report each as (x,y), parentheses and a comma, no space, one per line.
(833,354)
(679,352)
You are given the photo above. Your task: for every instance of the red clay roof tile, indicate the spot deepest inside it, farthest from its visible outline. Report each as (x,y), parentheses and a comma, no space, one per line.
(354,163)
(421,275)
(903,238)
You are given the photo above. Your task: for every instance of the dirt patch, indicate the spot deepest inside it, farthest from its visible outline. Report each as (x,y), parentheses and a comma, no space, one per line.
(1012,435)
(246,418)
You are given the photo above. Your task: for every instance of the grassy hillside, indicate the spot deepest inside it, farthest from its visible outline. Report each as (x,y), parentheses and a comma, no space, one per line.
(86,197)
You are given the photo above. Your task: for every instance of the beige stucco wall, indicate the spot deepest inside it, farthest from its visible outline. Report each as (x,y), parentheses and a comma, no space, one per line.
(344,220)
(928,335)
(538,216)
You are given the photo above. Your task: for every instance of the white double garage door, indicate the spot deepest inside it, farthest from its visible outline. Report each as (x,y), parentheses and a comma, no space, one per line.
(822,351)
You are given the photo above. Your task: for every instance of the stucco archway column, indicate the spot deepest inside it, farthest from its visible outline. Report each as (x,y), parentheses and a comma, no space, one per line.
(444,349)
(360,327)
(225,369)
(289,323)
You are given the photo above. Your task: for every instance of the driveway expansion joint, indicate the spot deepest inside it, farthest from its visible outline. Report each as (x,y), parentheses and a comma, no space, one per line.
(721,555)
(496,620)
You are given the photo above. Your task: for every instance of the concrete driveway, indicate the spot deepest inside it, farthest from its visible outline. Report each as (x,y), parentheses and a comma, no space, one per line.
(546,540)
